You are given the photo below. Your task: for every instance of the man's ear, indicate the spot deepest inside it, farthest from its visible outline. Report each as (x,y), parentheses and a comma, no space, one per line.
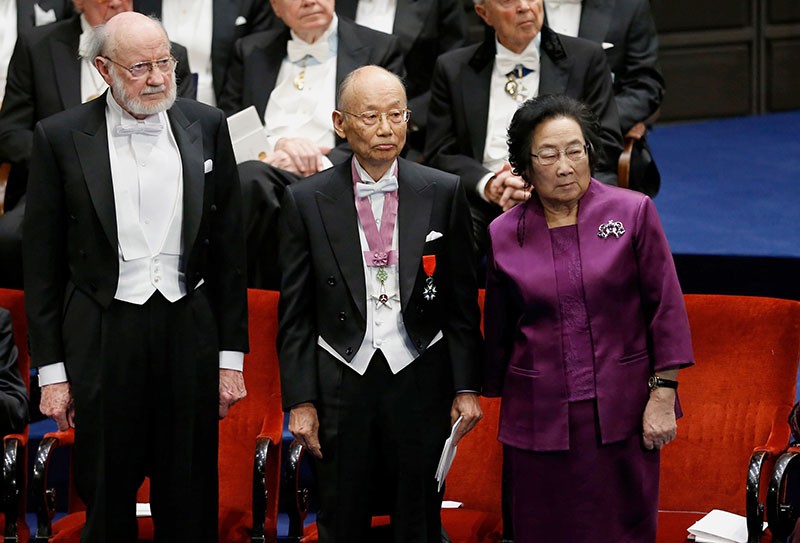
(338,124)
(104,67)
(480,9)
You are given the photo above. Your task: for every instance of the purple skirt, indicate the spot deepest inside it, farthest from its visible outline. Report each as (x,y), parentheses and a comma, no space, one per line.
(591,493)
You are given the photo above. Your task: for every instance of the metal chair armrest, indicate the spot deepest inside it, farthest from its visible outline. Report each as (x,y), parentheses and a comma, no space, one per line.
(298,513)
(781,512)
(47,497)
(264,463)
(14,446)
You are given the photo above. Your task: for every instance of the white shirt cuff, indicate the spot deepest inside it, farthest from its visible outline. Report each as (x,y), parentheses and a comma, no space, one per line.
(481,186)
(52,374)
(231,360)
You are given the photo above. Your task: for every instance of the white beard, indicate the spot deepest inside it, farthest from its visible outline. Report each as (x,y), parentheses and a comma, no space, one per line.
(134,106)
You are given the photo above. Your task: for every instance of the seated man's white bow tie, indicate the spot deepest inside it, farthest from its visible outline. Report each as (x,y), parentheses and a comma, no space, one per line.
(150,128)
(508,63)
(297,50)
(368,189)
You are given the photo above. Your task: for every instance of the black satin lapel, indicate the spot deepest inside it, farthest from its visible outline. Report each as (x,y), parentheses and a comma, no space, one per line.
(68,69)
(25,17)
(91,145)
(554,76)
(338,211)
(189,138)
(475,97)
(148,7)
(409,18)
(595,19)
(352,52)
(264,73)
(413,215)
(347,8)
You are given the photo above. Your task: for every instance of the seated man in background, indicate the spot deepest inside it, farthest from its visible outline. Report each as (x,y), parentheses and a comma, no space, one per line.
(18,16)
(476,90)
(49,74)
(208,29)
(426,30)
(13,396)
(290,75)
(629,37)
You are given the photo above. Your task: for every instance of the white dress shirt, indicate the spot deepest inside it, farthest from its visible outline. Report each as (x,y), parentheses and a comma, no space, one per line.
(377,14)
(502,106)
(306,112)
(385,328)
(92,84)
(8,37)
(191,23)
(564,16)
(147,180)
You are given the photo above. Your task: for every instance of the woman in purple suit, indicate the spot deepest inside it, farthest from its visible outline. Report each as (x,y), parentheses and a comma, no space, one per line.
(586,329)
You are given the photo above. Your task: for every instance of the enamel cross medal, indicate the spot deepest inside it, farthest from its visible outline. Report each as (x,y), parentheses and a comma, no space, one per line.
(429,265)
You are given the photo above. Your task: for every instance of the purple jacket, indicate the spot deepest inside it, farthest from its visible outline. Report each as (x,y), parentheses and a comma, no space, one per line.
(637,318)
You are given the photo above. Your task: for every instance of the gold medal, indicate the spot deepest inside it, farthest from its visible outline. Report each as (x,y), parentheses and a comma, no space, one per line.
(300,80)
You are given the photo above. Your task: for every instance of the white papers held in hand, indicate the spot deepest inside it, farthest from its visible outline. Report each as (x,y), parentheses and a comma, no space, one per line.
(448,454)
(247,135)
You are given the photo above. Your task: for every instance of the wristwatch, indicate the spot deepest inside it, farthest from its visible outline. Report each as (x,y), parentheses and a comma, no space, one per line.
(658,382)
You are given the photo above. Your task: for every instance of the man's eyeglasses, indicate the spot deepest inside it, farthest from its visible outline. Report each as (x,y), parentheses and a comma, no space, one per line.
(549,156)
(140,69)
(371,118)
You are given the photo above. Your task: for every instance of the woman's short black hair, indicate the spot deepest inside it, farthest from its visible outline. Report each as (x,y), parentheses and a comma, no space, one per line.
(545,108)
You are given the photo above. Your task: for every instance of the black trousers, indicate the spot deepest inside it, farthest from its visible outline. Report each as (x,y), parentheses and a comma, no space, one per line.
(145,379)
(381,436)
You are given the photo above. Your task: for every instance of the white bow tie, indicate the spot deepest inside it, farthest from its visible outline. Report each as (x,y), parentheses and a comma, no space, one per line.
(150,128)
(507,62)
(298,50)
(388,184)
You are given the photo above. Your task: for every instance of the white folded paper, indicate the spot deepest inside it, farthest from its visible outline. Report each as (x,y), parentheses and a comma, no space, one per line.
(143,510)
(720,527)
(248,136)
(448,454)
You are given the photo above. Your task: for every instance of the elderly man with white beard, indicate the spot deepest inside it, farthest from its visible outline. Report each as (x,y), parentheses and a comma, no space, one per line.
(135,287)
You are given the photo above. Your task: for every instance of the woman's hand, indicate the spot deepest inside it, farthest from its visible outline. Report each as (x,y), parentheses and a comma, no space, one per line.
(659,419)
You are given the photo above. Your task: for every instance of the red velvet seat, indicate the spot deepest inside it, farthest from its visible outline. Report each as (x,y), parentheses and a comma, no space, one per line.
(736,400)
(249,447)
(14,482)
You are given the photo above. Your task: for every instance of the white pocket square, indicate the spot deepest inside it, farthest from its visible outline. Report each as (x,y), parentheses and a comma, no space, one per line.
(240,20)
(43,17)
(433,235)
(208,166)
(607,45)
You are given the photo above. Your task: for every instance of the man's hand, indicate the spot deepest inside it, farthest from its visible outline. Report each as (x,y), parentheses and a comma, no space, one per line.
(506,189)
(299,155)
(659,419)
(304,425)
(57,404)
(466,405)
(231,390)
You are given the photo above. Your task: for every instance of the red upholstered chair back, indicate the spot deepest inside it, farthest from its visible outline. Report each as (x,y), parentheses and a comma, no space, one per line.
(476,475)
(260,413)
(736,398)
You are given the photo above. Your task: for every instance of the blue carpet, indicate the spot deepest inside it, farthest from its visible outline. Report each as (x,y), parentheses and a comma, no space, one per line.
(730,187)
